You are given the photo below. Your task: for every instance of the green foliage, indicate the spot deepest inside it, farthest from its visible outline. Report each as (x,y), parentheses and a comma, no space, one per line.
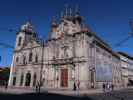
(4,74)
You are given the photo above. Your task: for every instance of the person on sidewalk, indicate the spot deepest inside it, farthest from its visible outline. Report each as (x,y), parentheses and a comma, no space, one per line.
(104,87)
(78,84)
(112,87)
(6,85)
(36,88)
(74,86)
(92,85)
(108,87)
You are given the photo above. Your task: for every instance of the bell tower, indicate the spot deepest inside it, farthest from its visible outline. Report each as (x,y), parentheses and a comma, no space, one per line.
(25,35)
(77,17)
(53,30)
(54,25)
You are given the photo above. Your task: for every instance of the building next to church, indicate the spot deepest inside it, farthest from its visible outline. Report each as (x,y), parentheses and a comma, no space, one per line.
(72,53)
(126,69)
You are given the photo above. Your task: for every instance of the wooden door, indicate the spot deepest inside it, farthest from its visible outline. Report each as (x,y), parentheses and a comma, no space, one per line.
(64,77)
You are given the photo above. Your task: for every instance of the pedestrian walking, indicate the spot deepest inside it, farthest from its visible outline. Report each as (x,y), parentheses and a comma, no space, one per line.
(6,85)
(36,88)
(112,87)
(74,86)
(92,85)
(104,87)
(108,86)
(78,84)
(39,87)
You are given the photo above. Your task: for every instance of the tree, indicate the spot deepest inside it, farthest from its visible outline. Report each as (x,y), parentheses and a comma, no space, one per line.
(4,75)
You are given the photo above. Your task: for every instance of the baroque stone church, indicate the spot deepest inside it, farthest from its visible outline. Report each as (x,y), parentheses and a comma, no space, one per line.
(72,53)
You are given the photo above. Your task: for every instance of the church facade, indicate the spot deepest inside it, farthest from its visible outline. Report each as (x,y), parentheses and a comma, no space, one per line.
(71,54)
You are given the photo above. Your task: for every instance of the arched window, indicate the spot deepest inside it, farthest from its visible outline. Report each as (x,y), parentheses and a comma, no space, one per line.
(19,41)
(36,59)
(21,79)
(30,57)
(34,79)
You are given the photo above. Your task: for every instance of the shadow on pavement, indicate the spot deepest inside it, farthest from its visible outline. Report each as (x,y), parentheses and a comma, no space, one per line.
(40,96)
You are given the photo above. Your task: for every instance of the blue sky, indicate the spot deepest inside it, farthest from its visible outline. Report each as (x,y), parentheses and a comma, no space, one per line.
(108,18)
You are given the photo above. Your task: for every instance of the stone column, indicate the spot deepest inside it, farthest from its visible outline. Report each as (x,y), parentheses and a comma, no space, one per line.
(18,76)
(11,73)
(24,80)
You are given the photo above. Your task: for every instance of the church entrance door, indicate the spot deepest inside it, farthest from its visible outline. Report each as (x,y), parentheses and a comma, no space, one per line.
(64,77)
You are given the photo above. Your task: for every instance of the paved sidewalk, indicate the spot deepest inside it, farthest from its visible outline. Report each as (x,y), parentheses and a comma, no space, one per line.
(55,91)
(18,90)
(80,92)
(77,92)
